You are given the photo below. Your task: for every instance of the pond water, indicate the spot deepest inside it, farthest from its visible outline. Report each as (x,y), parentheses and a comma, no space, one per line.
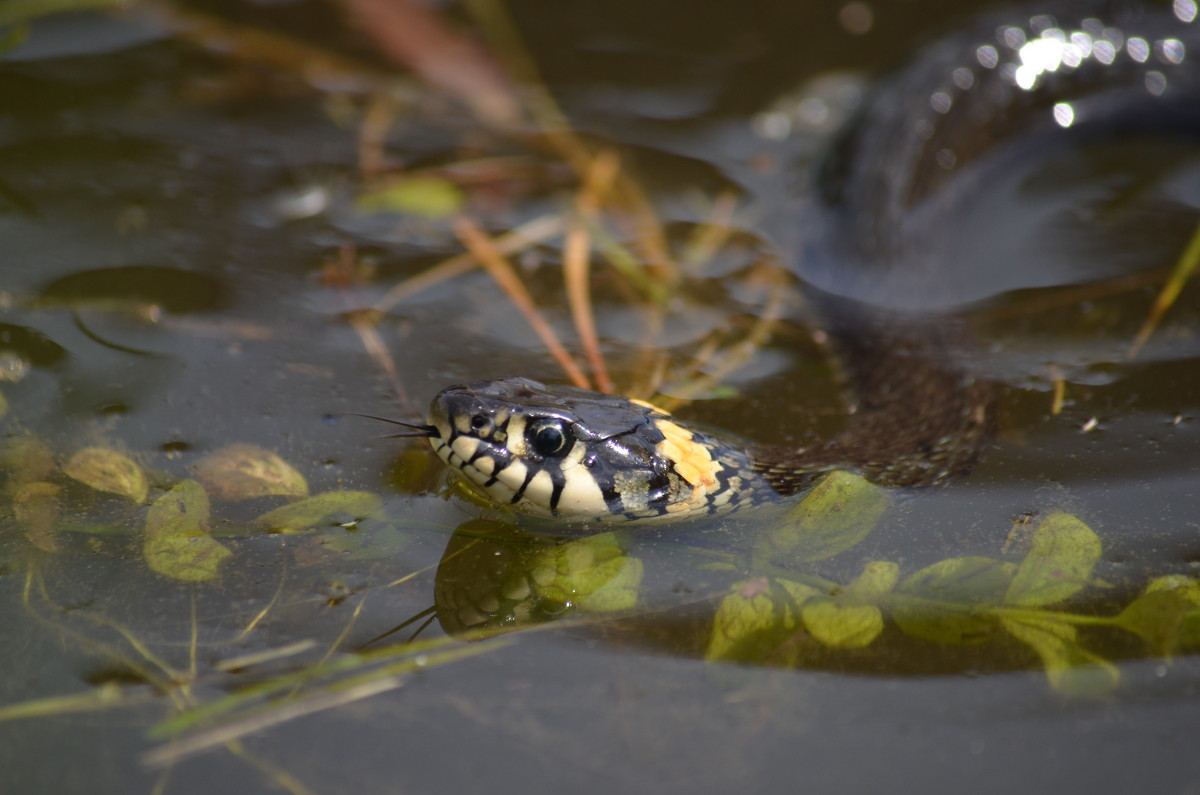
(190,253)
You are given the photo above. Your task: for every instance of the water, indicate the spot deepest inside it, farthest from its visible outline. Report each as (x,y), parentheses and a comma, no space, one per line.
(223,191)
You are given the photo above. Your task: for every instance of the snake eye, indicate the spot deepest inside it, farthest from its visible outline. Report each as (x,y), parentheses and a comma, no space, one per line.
(478,421)
(548,438)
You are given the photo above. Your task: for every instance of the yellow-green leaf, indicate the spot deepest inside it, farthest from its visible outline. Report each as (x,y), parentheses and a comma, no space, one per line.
(319,510)
(108,470)
(756,620)
(177,543)
(426,196)
(244,471)
(842,626)
(35,507)
(940,602)
(839,512)
(877,580)
(26,459)
(1071,669)
(1166,615)
(1063,553)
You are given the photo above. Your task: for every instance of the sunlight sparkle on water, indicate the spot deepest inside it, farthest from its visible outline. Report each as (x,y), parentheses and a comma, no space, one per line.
(1064,114)
(1038,56)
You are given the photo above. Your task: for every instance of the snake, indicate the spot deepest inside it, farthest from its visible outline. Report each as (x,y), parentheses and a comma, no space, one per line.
(1005,84)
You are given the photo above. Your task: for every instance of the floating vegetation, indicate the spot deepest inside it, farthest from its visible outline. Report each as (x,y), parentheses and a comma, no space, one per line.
(108,470)
(228,544)
(177,543)
(244,471)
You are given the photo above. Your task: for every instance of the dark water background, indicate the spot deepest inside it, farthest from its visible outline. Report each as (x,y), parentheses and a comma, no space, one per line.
(128,157)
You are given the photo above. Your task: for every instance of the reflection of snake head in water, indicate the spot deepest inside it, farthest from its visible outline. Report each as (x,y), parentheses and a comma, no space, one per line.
(936,131)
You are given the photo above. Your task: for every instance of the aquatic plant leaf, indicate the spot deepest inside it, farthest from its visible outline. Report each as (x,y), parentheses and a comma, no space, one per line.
(3,406)
(592,574)
(35,507)
(756,620)
(384,541)
(851,619)
(25,347)
(425,196)
(126,287)
(1063,553)
(842,626)
(108,470)
(177,543)
(26,459)
(839,512)
(1166,615)
(319,510)
(877,580)
(245,471)
(1071,669)
(941,603)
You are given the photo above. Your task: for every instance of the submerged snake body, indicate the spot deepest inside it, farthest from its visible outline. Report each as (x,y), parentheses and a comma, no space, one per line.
(930,135)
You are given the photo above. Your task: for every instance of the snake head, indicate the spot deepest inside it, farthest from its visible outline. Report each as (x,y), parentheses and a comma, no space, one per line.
(568,452)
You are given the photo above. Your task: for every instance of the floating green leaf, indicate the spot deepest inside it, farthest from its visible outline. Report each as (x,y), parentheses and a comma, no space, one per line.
(877,580)
(941,602)
(26,459)
(177,542)
(244,471)
(381,542)
(108,470)
(35,507)
(1071,669)
(839,512)
(756,621)
(1166,615)
(1063,553)
(851,619)
(426,196)
(842,626)
(592,574)
(319,510)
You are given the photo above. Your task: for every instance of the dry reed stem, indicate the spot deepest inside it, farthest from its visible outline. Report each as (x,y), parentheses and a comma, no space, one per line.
(576,261)
(1184,268)
(484,250)
(513,242)
(722,363)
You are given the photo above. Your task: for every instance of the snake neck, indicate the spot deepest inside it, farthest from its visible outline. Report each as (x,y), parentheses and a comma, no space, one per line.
(920,416)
